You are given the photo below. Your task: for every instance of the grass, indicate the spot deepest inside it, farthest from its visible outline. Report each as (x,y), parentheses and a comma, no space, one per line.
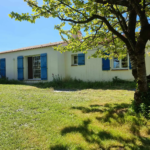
(32,117)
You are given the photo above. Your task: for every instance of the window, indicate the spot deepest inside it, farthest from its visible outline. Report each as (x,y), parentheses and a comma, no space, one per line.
(75,60)
(78,59)
(120,64)
(36,67)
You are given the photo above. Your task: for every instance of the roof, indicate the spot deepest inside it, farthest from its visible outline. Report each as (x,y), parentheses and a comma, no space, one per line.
(33,47)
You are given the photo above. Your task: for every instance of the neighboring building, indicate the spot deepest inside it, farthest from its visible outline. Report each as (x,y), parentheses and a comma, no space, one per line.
(38,63)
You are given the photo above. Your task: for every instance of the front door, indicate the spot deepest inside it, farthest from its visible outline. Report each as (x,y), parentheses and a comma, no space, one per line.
(34,67)
(30,68)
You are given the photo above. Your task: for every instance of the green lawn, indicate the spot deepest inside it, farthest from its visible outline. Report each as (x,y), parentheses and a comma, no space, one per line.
(36,118)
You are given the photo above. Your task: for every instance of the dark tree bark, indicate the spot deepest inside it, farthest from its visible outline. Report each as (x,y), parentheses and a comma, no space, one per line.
(141,68)
(133,61)
(131,33)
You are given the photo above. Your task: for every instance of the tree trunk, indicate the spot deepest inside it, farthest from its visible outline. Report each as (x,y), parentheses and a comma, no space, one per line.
(133,61)
(141,72)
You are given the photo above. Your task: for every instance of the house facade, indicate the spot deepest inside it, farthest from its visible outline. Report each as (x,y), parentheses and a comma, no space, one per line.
(38,63)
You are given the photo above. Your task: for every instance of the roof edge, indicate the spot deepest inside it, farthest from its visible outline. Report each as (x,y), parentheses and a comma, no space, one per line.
(33,47)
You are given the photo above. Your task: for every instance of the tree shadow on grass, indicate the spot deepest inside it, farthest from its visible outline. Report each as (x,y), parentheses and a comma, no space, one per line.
(62,147)
(59,147)
(100,137)
(103,108)
(96,138)
(89,110)
(116,112)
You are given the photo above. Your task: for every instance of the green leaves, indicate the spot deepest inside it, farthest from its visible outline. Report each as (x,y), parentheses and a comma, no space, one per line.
(106,30)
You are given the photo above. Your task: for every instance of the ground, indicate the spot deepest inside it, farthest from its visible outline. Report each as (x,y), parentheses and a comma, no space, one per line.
(39,118)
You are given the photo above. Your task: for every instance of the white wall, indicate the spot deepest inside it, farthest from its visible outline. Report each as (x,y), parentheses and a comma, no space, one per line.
(92,70)
(147,59)
(61,64)
(11,61)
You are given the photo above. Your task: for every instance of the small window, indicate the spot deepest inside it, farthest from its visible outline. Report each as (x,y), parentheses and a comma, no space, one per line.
(74,60)
(78,59)
(120,64)
(116,63)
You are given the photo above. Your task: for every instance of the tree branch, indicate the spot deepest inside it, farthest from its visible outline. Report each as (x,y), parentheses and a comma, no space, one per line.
(110,27)
(120,18)
(142,15)
(114,2)
(132,25)
(61,2)
(101,18)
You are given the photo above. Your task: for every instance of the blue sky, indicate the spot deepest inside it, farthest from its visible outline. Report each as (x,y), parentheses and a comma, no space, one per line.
(15,34)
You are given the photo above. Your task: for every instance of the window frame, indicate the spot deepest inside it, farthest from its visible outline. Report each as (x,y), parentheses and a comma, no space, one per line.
(36,68)
(72,60)
(120,64)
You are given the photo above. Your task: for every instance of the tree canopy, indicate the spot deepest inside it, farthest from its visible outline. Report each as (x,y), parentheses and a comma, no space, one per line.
(105,22)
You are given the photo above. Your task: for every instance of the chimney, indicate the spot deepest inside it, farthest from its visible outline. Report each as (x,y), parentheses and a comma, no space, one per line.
(79,35)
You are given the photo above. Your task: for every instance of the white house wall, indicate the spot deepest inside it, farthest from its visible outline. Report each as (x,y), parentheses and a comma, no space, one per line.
(11,62)
(61,65)
(147,58)
(58,63)
(92,70)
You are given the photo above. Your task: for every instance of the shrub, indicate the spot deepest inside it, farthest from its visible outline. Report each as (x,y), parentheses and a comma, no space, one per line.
(118,80)
(69,83)
(57,79)
(144,107)
(6,81)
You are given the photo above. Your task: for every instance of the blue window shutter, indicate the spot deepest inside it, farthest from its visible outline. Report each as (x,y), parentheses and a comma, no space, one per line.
(105,64)
(20,68)
(44,66)
(130,64)
(81,59)
(3,67)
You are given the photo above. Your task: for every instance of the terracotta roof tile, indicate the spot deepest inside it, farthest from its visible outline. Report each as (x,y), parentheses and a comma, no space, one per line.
(34,47)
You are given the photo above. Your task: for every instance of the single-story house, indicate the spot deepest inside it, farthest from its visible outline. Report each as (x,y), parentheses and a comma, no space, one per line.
(38,63)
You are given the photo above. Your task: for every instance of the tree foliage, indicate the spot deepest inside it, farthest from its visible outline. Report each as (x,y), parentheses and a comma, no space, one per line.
(105,22)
